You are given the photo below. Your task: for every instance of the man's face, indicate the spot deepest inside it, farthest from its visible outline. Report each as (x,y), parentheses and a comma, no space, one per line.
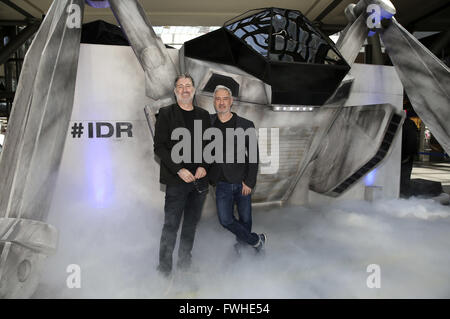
(184,90)
(222,101)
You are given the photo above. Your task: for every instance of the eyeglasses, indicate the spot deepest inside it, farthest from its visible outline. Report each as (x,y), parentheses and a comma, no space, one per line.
(200,187)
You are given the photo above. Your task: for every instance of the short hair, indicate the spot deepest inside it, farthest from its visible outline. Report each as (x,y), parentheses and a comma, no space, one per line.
(183,76)
(223,87)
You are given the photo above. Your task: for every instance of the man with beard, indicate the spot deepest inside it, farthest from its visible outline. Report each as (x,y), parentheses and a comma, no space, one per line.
(186,181)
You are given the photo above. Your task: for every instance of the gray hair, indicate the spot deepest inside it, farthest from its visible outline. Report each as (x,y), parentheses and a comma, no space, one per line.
(223,87)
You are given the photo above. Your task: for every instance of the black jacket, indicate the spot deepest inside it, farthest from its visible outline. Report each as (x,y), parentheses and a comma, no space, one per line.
(168,119)
(237,172)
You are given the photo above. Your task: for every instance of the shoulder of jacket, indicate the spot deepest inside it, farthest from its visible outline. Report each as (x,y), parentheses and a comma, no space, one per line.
(165,109)
(202,111)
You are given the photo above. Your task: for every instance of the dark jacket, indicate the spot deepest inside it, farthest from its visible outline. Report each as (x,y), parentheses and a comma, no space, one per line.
(168,119)
(237,172)
(410,138)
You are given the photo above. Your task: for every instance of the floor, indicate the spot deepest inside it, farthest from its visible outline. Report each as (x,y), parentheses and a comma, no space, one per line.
(394,248)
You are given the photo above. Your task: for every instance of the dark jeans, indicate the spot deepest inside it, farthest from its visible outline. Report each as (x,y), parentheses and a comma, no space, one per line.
(180,198)
(226,196)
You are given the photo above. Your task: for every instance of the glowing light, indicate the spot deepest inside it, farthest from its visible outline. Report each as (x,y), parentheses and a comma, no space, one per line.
(370,178)
(98,163)
(98,4)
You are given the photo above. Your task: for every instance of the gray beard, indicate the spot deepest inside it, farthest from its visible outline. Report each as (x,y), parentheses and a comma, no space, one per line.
(223,112)
(187,100)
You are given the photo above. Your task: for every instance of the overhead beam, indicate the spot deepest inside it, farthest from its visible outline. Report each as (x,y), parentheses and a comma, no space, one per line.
(312,7)
(18,9)
(35,7)
(328,9)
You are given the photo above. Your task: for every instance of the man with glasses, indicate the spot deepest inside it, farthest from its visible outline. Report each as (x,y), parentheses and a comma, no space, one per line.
(186,181)
(235,176)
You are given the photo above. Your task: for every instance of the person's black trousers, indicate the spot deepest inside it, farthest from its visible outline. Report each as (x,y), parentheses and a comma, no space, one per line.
(183,198)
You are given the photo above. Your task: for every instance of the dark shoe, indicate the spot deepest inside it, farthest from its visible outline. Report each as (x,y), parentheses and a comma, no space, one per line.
(184,265)
(262,242)
(164,272)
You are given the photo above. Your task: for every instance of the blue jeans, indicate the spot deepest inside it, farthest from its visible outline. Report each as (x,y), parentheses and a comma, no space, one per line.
(226,196)
(183,199)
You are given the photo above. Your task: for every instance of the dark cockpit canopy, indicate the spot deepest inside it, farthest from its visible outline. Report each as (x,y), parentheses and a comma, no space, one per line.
(280,47)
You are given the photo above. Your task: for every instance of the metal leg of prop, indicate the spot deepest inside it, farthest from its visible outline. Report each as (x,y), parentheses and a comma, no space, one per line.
(352,40)
(34,147)
(149,49)
(425,78)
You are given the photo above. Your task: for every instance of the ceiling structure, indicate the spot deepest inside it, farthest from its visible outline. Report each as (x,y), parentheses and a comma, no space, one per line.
(416,15)
(425,17)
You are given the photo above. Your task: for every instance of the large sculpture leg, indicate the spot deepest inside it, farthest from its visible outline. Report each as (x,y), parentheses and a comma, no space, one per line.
(425,78)
(34,146)
(159,69)
(349,44)
(354,35)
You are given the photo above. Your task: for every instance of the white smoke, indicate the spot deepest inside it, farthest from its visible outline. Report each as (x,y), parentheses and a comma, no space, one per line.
(312,252)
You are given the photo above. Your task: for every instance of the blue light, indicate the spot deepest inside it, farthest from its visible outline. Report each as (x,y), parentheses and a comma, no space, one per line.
(98,4)
(370,178)
(98,163)
(386,15)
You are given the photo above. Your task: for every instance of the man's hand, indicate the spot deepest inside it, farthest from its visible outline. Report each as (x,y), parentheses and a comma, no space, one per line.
(200,172)
(246,190)
(186,176)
